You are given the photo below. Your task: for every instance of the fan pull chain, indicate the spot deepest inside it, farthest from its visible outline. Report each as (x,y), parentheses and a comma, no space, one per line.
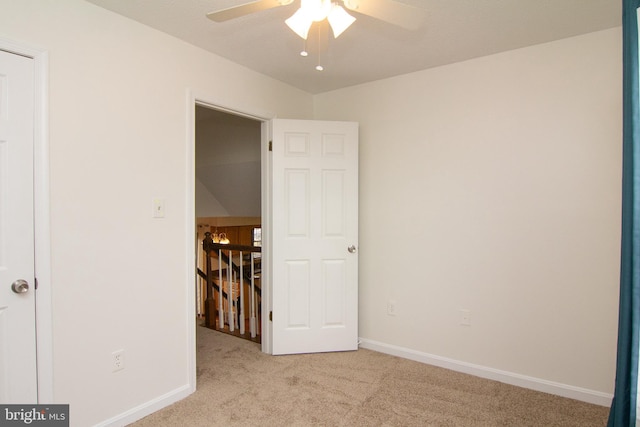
(319,67)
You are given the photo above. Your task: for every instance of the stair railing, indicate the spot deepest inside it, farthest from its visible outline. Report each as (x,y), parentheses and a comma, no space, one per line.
(234,272)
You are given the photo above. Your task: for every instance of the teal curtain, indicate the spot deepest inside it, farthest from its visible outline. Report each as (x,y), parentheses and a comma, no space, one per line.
(623,408)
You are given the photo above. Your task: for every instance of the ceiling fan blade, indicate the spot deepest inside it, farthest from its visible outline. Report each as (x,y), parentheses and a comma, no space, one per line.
(245,9)
(390,11)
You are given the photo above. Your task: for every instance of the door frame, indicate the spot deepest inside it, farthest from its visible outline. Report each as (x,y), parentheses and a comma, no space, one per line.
(42,224)
(210,101)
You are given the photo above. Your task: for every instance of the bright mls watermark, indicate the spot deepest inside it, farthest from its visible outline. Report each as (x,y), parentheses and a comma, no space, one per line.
(34,415)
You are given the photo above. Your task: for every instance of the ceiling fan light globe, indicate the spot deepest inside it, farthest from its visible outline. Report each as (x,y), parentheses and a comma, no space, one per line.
(300,22)
(339,20)
(316,9)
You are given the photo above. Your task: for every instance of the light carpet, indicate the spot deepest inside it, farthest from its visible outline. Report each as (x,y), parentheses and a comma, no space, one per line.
(240,386)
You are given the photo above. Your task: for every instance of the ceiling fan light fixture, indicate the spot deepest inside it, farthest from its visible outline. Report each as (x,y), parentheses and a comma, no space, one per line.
(339,20)
(311,11)
(300,22)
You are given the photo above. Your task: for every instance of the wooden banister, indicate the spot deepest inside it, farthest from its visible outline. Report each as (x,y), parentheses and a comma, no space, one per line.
(225,254)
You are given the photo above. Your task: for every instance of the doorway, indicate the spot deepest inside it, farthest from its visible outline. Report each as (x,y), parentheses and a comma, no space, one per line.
(232,118)
(228,207)
(323,310)
(195,100)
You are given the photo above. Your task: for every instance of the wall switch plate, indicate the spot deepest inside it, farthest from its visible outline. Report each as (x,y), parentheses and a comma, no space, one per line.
(465,317)
(158,207)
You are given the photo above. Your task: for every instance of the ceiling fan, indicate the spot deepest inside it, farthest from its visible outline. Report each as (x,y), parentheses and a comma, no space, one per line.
(311,11)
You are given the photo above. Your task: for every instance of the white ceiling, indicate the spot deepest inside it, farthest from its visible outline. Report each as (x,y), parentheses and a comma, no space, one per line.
(455,30)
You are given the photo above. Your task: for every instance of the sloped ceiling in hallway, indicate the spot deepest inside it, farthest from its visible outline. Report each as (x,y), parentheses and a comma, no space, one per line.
(228,160)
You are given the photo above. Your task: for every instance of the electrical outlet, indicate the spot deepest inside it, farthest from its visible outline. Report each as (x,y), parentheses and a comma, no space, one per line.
(465,317)
(391,308)
(117,361)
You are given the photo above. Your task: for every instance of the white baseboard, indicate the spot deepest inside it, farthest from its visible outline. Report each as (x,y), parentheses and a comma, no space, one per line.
(559,389)
(148,408)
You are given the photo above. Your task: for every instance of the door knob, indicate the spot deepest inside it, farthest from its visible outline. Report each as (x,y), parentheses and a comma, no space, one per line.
(352,249)
(20,286)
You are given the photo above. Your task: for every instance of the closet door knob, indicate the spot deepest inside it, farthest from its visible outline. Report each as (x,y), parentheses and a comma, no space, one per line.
(20,286)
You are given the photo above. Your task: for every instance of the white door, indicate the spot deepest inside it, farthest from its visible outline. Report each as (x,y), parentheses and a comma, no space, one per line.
(18,381)
(314,236)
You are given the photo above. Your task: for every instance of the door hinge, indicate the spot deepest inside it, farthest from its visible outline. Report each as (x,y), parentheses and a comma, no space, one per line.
(271,316)
(270,145)
(35,283)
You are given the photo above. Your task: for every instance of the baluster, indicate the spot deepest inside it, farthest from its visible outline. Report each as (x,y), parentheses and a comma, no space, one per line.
(209,303)
(252,299)
(220,288)
(199,290)
(230,291)
(241,308)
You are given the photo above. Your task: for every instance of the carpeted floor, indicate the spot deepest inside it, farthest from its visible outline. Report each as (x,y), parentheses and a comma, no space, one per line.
(240,386)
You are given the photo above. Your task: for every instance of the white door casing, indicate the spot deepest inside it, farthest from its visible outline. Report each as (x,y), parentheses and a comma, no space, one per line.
(314,209)
(18,375)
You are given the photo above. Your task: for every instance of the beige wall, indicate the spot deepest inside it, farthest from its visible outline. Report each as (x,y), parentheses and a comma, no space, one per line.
(227,161)
(496,184)
(118,138)
(206,203)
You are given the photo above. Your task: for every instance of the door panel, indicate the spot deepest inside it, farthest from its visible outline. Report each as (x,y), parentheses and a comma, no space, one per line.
(334,292)
(333,194)
(297,303)
(17,310)
(315,220)
(298,204)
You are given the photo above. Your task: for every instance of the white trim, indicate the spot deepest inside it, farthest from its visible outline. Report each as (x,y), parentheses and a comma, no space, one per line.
(265,156)
(42,224)
(552,387)
(190,250)
(147,408)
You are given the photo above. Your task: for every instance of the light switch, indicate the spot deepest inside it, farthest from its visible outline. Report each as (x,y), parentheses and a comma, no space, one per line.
(158,207)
